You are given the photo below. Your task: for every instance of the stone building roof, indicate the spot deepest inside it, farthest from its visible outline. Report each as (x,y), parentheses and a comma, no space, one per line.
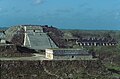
(69,52)
(98,40)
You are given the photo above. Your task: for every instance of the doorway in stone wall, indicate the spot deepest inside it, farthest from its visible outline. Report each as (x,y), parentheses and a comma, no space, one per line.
(72,56)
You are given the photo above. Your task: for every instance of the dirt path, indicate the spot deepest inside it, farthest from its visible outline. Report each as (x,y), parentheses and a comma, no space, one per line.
(34,57)
(48,72)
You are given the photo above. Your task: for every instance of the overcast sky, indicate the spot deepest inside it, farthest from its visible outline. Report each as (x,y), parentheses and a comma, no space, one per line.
(71,14)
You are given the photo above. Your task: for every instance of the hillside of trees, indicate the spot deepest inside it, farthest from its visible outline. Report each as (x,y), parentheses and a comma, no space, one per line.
(54,70)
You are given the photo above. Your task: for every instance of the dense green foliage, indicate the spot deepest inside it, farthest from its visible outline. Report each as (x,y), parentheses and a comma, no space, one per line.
(94,33)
